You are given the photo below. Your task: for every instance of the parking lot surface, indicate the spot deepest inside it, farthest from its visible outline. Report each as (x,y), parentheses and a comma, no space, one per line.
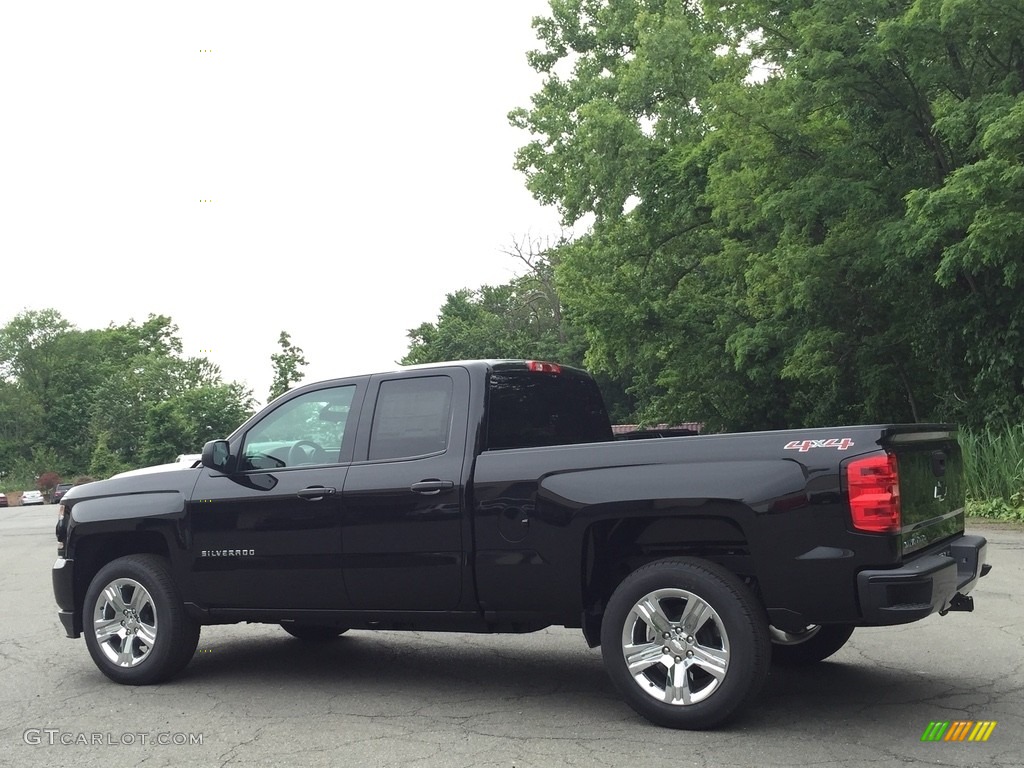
(255,696)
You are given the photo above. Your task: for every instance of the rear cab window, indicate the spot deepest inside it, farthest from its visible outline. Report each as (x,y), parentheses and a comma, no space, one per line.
(527,409)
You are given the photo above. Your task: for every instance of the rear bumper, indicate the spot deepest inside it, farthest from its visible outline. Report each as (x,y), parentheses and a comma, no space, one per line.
(922,586)
(63,573)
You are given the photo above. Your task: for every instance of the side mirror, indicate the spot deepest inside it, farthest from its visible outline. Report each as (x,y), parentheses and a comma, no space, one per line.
(217,456)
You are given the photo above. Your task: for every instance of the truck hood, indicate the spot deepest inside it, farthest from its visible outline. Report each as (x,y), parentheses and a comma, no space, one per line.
(177,477)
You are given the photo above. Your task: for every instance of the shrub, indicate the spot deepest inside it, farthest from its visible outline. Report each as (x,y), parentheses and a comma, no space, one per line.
(47,482)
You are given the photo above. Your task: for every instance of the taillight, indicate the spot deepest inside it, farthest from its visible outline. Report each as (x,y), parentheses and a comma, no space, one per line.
(62,528)
(538,367)
(873,484)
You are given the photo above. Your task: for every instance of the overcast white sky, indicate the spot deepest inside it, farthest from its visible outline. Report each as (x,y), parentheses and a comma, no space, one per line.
(356,156)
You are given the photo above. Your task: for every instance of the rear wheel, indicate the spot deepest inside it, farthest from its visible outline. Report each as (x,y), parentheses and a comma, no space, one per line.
(313,632)
(815,643)
(685,642)
(135,624)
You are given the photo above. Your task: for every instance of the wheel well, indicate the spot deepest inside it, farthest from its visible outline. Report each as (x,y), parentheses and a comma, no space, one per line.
(612,549)
(94,552)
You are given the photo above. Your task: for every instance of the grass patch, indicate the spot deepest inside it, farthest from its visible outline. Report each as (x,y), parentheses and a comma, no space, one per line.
(994,472)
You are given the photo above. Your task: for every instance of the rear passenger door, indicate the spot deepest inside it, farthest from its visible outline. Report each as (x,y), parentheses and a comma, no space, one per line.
(403,497)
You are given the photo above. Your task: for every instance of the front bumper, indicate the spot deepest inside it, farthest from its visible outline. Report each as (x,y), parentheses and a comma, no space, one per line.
(922,586)
(64,591)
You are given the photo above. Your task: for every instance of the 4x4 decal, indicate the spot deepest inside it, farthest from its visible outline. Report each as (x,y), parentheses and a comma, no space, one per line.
(805,445)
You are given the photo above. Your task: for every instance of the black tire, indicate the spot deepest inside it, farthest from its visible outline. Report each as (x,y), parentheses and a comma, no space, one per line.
(730,639)
(149,637)
(314,633)
(817,642)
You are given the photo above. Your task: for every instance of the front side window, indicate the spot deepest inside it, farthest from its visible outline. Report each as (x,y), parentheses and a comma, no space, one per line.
(306,430)
(412,417)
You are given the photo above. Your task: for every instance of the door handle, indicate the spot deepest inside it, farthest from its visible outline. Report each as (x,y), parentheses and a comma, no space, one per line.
(315,493)
(431,487)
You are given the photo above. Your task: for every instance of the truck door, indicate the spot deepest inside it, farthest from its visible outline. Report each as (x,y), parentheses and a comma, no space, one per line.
(403,499)
(269,534)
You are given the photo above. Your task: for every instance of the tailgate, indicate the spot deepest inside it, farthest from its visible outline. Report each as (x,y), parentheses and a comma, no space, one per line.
(931,485)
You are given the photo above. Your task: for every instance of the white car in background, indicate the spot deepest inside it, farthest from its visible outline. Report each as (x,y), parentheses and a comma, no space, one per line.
(29,498)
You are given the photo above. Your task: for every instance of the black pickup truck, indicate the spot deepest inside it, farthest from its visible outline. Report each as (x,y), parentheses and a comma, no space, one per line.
(490,496)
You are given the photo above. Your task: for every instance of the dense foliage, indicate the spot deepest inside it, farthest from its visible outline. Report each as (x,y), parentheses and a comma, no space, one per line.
(522,318)
(100,401)
(799,212)
(994,471)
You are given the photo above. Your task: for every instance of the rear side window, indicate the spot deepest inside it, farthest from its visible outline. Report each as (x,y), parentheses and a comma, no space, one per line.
(527,409)
(412,418)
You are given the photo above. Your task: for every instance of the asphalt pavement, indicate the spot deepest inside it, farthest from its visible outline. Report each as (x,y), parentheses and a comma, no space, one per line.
(255,696)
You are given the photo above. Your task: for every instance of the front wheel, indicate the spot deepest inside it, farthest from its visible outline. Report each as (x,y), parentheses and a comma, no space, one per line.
(685,642)
(813,644)
(135,624)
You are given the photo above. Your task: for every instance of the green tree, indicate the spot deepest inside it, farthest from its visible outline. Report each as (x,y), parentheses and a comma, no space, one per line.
(165,436)
(63,388)
(211,411)
(195,406)
(26,354)
(621,139)
(521,319)
(104,461)
(287,366)
(25,472)
(802,212)
(21,424)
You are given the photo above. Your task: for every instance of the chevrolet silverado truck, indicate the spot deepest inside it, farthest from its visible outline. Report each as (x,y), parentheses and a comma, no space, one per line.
(490,496)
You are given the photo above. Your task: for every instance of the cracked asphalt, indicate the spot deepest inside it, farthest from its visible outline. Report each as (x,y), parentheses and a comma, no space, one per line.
(255,696)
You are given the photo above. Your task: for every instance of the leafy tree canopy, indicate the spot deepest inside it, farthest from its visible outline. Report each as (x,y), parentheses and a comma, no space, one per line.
(802,213)
(105,399)
(287,366)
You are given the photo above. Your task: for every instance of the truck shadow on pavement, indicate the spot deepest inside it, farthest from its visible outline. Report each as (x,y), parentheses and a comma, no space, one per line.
(555,675)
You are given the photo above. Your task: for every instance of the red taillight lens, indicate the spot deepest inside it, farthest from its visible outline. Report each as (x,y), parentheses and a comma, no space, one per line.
(873,484)
(538,367)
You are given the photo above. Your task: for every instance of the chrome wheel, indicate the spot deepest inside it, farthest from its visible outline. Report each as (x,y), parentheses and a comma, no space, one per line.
(675,646)
(135,623)
(685,642)
(125,623)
